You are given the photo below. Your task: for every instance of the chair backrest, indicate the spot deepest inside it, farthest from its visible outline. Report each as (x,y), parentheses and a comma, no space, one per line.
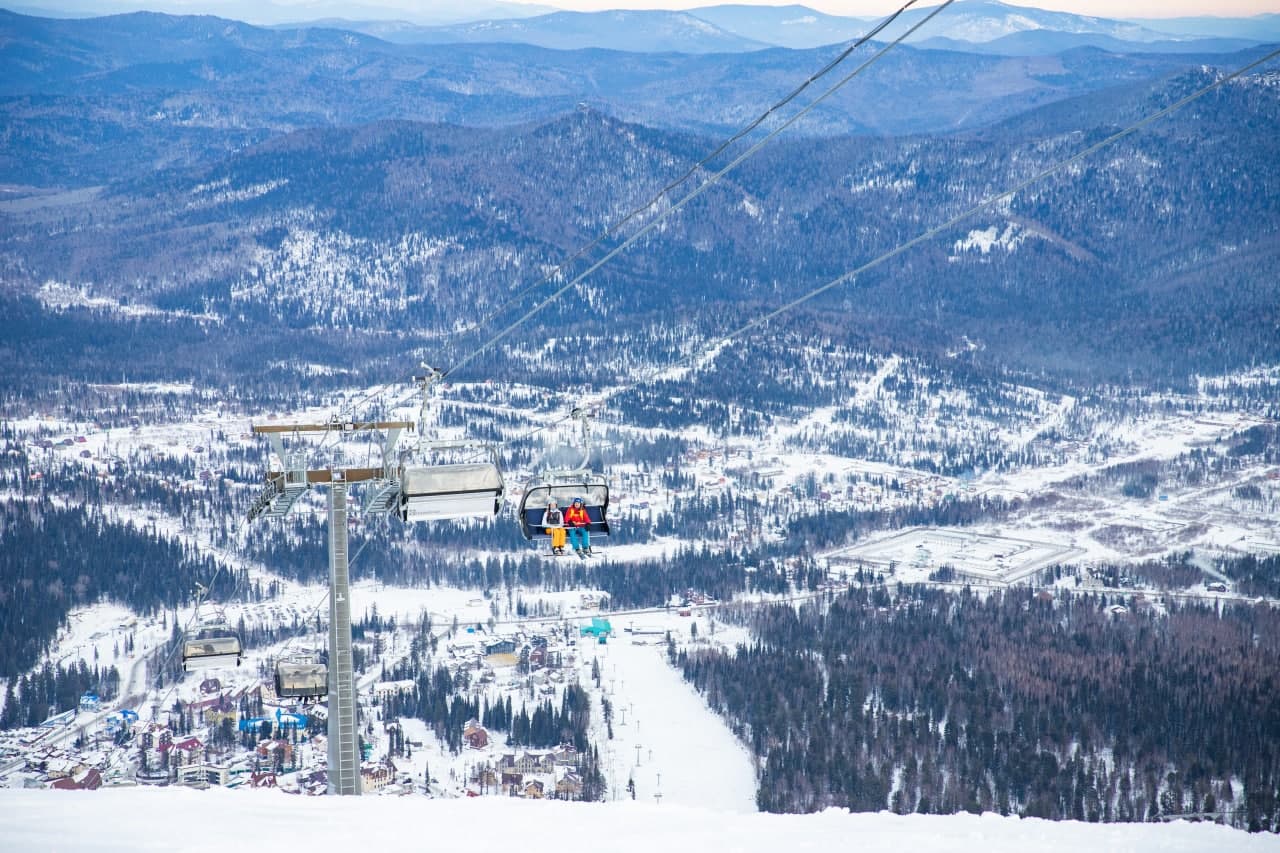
(450,491)
(593,491)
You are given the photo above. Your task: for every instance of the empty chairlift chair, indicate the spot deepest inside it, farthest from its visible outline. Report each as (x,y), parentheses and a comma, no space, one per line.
(301,678)
(211,645)
(592,488)
(450,491)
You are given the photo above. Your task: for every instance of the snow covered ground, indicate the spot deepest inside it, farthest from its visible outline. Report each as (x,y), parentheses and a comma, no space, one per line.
(686,754)
(220,820)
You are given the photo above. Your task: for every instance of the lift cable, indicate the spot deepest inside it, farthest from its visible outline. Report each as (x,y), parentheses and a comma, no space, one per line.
(562,267)
(981,206)
(669,188)
(191,621)
(692,194)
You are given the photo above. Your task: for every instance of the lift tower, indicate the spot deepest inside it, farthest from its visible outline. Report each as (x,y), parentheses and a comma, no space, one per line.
(283,489)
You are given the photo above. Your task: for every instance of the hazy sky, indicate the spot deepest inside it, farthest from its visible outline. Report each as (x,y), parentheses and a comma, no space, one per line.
(1100,8)
(468,9)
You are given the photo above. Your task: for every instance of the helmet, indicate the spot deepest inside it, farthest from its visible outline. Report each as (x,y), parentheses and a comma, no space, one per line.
(577,500)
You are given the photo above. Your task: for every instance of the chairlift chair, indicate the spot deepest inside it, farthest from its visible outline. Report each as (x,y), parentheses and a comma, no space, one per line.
(301,677)
(430,492)
(567,474)
(563,488)
(211,645)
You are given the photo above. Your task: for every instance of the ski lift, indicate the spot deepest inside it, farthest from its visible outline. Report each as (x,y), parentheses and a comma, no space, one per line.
(211,643)
(592,488)
(467,490)
(457,490)
(567,475)
(301,677)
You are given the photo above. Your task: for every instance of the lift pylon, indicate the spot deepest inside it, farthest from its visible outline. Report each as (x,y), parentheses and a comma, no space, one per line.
(282,490)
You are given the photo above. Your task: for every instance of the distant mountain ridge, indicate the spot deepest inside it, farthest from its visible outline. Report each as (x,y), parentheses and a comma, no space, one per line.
(635,31)
(736,28)
(1155,255)
(318,179)
(168,91)
(723,27)
(287,13)
(1054,42)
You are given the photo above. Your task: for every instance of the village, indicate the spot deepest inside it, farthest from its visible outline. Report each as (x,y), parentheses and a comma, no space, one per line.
(228,728)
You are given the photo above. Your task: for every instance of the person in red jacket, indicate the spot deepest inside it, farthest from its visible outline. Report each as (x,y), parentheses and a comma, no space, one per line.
(576,519)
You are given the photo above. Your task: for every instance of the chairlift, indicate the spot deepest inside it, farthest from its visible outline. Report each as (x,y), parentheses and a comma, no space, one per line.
(563,488)
(465,490)
(433,490)
(210,645)
(301,677)
(567,475)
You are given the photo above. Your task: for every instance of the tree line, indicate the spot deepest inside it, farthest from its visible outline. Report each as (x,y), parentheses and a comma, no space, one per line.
(1061,705)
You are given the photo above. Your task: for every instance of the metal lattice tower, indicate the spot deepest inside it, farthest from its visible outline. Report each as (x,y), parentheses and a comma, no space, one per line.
(344,754)
(282,490)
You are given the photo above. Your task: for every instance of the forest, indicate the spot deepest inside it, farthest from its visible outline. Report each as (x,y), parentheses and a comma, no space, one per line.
(53,558)
(1057,705)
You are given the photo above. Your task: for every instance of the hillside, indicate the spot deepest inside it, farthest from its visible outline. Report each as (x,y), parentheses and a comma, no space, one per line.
(90,101)
(1150,256)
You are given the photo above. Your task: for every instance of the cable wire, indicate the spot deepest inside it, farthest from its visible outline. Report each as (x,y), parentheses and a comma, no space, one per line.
(666,190)
(983,205)
(711,181)
(720,149)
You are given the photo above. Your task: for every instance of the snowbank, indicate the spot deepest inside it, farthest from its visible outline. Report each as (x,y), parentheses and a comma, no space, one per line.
(221,820)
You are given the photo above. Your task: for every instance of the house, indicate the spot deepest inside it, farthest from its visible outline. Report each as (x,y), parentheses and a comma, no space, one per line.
(184,752)
(512,779)
(88,779)
(475,735)
(221,708)
(391,688)
(569,787)
(262,780)
(314,783)
(527,762)
(375,777)
(535,762)
(204,775)
(59,766)
(566,755)
(500,646)
(535,790)
(275,753)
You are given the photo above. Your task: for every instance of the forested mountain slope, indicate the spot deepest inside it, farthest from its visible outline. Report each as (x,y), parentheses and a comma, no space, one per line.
(90,101)
(1151,254)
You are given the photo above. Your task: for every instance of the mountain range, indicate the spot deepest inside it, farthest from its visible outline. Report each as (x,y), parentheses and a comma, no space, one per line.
(172,91)
(1004,29)
(985,25)
(194,170)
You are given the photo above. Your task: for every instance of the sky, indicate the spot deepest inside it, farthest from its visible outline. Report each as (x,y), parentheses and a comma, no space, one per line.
(1100,8)
(417,9)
